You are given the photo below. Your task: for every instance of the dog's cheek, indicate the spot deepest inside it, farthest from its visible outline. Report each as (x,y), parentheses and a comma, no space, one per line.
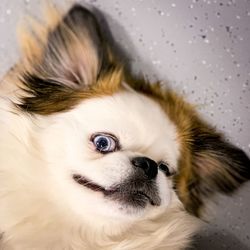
(107,170)
(112,169)
(164,186)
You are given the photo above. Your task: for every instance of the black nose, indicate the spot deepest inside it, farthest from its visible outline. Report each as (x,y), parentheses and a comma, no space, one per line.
(149,166)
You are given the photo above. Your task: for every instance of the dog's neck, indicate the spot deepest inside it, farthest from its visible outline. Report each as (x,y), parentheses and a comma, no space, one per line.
(146,235)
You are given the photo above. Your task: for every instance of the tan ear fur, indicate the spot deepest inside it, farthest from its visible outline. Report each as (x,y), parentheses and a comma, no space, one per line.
(65,61)
(33,33)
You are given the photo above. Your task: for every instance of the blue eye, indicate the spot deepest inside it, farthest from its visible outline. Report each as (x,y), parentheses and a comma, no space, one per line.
(105,143)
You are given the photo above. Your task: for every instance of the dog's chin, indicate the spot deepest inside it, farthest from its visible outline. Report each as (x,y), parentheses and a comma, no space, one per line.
(132,196)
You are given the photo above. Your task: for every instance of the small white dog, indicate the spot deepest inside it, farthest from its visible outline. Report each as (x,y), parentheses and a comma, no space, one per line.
(92,157)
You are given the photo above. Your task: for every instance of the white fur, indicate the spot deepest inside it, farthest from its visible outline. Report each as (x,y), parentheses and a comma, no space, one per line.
(41,207)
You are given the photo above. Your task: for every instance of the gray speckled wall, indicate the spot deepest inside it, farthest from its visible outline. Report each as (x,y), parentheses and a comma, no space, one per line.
(202,49)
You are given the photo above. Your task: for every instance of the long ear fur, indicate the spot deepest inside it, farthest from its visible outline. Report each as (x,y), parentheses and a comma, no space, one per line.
(73,50)
(215,166)
(208,164)
(71,58)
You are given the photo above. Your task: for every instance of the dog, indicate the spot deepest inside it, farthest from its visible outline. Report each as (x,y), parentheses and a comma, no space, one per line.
(94,157)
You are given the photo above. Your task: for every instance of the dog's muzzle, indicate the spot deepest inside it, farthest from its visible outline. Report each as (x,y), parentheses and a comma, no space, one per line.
(137,190)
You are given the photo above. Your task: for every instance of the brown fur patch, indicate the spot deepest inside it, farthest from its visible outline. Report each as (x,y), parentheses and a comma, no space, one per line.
(49,97)
(208,164)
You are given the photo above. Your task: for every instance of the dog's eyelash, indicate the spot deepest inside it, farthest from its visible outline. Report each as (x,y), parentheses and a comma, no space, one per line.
(164,166)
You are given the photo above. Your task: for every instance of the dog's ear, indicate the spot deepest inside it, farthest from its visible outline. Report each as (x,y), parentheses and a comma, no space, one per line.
(215,166)
(74,51)
(71,58)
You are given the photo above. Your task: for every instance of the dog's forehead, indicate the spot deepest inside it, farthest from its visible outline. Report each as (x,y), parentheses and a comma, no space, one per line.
(138,122)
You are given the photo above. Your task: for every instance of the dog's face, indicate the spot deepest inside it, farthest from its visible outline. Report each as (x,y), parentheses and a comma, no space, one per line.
(109,157)
(109,145)
(111,151)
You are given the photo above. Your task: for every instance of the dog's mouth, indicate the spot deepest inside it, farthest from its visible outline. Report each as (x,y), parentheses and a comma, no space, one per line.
(126,193)
(91,185)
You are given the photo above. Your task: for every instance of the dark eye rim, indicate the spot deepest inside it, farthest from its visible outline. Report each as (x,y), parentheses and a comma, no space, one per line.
(117,143)
(162,165)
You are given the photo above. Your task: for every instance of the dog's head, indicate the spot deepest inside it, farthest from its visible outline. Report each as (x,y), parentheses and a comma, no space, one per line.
(109,144)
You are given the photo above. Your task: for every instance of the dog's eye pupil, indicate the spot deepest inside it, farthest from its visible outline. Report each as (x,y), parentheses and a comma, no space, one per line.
(104,143)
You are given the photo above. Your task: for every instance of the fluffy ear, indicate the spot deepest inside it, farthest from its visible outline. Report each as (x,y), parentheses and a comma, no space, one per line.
(215,166)
(71,58)
(73,51)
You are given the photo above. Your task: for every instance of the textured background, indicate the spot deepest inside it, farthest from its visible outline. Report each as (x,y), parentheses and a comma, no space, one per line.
(202,49)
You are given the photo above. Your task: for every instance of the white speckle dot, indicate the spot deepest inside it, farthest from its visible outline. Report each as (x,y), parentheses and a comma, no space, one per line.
(248,13)
(238,17)
(156,62)
(8,11)
(161,13)
(203,62)
(191,6)
(206,41)
(190,41)
(173,5)
(133,9)
(211,28)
